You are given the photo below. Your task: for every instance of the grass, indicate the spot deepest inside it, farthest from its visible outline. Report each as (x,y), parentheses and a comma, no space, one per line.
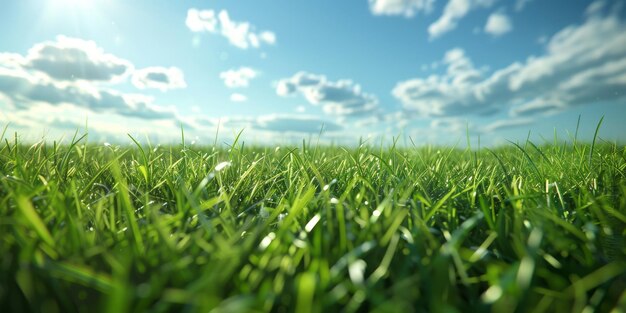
(521,228)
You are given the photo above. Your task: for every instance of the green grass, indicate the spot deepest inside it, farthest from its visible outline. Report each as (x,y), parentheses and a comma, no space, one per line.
(521,228)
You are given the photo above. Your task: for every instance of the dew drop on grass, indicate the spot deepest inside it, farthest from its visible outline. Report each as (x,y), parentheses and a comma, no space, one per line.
(356,270)
(311,224)
(334,201)
(267,240)
(492,294)
(222,166)
(332,182)
(552,261)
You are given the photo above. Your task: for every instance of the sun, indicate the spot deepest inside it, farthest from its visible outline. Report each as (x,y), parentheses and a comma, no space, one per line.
(75,8)
(74,3)
(79,14)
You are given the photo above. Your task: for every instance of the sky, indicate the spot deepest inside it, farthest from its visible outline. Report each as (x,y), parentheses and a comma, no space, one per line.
(341,72)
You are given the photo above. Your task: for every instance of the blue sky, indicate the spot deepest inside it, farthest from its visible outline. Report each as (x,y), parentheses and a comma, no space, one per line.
(280,69)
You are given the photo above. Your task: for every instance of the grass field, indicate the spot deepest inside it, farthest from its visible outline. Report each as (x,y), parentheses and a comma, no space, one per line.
(520,228)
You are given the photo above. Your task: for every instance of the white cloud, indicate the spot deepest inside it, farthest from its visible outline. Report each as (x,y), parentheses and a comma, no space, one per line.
(240,34)
(236,78)
(73,59)
(539,106)
(267,37)
(237,97)
(448,94)
(454,11)
(498,24)
(161,78)
(595,8)
(11,60)
(407,8)
(201,20)
(521,4)
(342,97)
(49,75)
(578,68)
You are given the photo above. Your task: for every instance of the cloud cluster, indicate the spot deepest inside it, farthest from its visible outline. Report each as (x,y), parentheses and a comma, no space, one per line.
(498,24)
(454,11)
(578,68)
(407,8)
(240,34)
(71,59)
(68,72)
(237,78)
(444,95)
(339,98)
(34,96)
(24,90)
(162,78)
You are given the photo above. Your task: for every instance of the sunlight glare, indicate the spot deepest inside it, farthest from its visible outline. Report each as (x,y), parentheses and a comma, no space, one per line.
(74,3)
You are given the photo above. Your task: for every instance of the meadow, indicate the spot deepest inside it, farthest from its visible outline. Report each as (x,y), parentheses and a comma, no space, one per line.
(525,227)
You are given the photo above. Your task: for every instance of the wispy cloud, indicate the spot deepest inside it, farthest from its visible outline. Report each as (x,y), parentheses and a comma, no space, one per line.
(454,11)
(407,8)
(236,78)
(521,4)
(498,24)
(162,78)
(295,123)
(450,125)
(237,97)
(338,98)
(578,68)
(276,122)
(506,124)
(240,34)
